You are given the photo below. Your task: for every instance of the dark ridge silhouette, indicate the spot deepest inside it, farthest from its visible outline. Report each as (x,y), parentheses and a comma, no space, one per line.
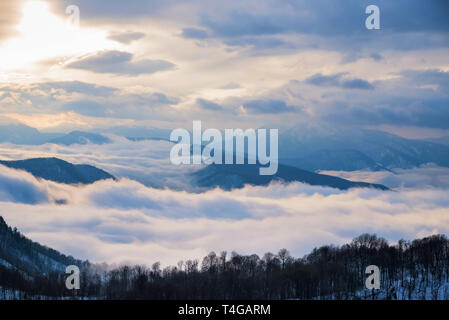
(58,170)
(228,177)
(28,257)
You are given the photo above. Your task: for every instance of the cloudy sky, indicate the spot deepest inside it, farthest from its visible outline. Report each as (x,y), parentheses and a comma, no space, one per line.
(227,63)
(254,63)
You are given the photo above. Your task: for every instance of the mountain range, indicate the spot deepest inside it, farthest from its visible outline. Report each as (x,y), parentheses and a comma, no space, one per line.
(307,147)
(317,148)
(25,135)
(226,177)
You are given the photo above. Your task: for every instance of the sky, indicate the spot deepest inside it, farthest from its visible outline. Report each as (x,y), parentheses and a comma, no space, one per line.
(231,64)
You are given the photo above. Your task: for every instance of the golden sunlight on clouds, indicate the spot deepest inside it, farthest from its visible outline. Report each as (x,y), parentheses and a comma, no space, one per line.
(67,120)
(44,36)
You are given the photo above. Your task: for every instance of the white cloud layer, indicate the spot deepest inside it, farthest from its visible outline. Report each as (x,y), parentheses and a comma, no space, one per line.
(127,222)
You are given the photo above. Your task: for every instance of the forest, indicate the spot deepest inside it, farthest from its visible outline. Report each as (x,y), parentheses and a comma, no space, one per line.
(417,269)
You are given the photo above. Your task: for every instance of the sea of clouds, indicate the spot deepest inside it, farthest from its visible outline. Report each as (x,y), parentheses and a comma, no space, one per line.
(138,220)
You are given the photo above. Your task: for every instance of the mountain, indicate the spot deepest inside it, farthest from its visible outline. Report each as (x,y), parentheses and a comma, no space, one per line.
(80,137)
(319,148)
(229,177)
(58,170)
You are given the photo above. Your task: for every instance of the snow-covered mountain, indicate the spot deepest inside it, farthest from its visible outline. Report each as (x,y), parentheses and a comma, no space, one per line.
(317,148)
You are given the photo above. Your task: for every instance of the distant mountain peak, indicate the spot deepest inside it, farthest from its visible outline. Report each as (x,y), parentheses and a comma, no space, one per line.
(58,170)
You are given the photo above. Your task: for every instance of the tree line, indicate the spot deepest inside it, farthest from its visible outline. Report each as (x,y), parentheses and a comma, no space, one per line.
(417,269)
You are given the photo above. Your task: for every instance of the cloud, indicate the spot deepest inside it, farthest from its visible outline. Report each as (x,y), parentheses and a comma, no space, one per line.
(76,87)
(337,81)
(119,62)
(137,106)
(86,99)
(409,98)
(230,86)
(194,33)
(402,111)
(318,24)
(209,105)
(10,13)
(125,221)
(18,186)
(154,99)
(106,9)
(343,23)
(126,37)
(356,84)
(376,56)
(58,88)
(88,108)
(321,17)
(257,42)
(267,106)
(432,77)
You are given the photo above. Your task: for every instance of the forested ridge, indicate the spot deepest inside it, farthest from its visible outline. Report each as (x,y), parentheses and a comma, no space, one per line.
(417,269)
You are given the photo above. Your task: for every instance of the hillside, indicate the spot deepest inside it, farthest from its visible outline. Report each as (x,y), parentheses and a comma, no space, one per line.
(30,258)
(58,170)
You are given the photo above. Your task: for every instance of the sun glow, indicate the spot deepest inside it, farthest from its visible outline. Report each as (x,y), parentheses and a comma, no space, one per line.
(45,36)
